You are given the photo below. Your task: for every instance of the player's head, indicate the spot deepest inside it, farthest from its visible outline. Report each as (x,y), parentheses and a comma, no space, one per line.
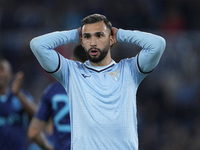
(79,54)
(5,73)
(97,37)
(94,18)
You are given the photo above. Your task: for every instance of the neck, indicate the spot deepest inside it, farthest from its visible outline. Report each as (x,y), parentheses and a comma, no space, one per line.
(3,90)
(101,63)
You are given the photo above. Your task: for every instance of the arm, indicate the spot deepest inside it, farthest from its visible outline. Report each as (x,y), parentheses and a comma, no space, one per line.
(43,47)
(28,106)
(152,47)
(35,134)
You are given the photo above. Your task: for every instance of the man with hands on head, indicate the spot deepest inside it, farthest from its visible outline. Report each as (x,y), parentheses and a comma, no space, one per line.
(101,92)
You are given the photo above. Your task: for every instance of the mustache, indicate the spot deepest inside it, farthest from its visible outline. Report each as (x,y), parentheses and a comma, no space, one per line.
(91,49)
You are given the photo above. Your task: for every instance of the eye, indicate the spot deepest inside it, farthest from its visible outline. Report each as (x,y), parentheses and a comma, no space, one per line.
(99,35)
(86,36)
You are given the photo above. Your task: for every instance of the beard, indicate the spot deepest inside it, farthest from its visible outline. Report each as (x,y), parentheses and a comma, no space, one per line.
(102,55)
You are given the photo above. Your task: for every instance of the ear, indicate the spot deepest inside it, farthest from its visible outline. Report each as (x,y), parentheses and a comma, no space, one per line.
(111,40)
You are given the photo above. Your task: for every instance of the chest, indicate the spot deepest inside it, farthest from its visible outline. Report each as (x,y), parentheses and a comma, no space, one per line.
(9,105)
(105,79)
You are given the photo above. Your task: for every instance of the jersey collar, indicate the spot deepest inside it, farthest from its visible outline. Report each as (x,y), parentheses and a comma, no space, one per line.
(99,68)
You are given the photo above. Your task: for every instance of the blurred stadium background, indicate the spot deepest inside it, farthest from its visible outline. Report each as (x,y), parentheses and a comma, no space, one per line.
(168,99)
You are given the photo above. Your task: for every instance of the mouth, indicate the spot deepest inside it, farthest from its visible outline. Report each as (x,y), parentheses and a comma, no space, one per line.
(94,52)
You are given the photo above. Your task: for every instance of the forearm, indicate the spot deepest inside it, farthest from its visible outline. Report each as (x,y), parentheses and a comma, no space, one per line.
(42,142)
(36,135)
(43,47)
(152,47)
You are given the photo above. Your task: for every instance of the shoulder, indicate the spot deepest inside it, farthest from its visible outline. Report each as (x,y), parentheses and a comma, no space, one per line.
(128,61)
(130,64)
(67,63)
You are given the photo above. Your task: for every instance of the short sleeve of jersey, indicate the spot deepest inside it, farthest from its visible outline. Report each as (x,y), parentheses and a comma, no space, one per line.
(44,109)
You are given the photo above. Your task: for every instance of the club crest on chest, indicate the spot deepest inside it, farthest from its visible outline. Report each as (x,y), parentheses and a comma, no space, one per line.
(114,75)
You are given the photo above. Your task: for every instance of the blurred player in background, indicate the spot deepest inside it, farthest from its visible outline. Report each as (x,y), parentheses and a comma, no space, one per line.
(101,92)
(16,105)
(54,105)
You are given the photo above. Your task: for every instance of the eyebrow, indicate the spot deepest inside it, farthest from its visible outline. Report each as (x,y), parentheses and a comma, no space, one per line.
(101,32)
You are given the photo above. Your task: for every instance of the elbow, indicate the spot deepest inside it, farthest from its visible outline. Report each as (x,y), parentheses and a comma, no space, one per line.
(34,44)
(161,44)
(31,135)
(34,129)
(37,44)
(158,45)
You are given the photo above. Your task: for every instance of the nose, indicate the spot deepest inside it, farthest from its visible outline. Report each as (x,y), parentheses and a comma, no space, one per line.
(93,41)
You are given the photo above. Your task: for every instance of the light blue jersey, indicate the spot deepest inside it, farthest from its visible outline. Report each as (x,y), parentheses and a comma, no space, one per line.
(103,104)
(102,99)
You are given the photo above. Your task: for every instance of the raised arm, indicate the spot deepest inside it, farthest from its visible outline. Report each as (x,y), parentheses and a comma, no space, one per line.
(43,47)
(28,106)
(152,45)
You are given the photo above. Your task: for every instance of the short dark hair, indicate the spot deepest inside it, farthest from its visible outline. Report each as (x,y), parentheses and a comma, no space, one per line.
(97,18)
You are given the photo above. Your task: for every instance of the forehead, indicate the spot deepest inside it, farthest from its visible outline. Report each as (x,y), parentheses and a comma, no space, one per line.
(94,27)
(5,66)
